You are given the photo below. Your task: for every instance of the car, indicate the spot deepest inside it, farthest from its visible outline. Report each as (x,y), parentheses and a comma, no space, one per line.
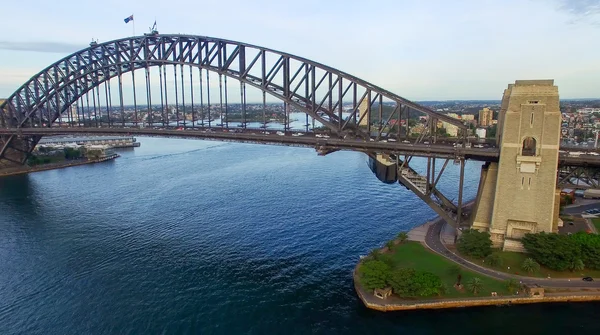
(571,223)
(587,279)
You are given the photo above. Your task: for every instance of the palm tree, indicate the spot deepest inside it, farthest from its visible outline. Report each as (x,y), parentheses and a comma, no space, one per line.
(390,245)
(403,236)
(474,285)
(530,266)
(512,285)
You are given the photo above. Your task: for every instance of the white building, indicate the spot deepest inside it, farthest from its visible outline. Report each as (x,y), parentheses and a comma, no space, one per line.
(481,132)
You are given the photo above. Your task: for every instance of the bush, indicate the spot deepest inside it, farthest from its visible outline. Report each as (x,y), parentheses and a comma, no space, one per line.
(374,274)
(494,260)
(513,285)
(374,254)
(475,243)
(576,265)
(411,283)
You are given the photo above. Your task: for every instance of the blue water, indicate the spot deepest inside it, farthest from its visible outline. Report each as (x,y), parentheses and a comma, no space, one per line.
(199,237)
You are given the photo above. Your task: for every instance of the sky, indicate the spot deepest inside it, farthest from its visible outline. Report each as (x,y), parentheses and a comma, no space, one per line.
(420,50)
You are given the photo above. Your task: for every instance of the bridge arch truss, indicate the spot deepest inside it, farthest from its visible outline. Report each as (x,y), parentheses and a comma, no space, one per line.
(343,104)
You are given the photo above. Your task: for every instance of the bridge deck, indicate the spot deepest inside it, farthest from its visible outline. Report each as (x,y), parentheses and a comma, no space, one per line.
(446,150)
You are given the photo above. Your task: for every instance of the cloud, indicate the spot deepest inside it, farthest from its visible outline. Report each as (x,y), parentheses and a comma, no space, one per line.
(52,47)
(581,11)
(581,7)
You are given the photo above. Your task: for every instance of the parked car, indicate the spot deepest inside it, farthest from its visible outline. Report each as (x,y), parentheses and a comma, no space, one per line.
(587,279)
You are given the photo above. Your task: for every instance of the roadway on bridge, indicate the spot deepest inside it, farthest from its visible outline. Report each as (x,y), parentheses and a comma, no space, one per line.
(434,242)
(326,143)
(312,140)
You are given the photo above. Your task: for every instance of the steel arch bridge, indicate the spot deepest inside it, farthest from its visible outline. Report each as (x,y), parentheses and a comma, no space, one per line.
(356,114)
(317,90)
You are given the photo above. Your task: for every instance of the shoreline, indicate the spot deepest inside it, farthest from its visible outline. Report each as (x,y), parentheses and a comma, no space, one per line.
(398,304)
(395,303)
(55,166)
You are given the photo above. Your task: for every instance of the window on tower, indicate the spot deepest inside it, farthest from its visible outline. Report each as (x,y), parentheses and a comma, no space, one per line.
(529,145)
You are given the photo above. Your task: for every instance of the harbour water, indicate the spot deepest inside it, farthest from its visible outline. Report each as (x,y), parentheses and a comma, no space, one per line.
(200,237)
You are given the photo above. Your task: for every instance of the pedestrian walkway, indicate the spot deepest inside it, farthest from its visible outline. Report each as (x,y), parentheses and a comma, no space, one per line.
(418,233)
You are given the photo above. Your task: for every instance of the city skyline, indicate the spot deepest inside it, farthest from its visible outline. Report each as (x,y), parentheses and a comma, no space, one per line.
(426,51)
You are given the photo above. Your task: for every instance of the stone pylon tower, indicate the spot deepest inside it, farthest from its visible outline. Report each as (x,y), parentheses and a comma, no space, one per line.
(363,108)
(518,194)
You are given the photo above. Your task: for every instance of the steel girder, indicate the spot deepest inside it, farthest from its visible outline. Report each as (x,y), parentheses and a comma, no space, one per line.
(578,177)
(315,89)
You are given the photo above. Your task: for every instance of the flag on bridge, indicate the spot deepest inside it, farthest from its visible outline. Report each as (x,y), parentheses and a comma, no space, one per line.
(129,18)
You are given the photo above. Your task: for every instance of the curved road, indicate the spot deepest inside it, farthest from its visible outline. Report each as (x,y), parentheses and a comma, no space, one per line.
(433,241)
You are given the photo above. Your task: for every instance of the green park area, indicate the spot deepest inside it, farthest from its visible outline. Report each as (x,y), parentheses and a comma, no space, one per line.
(413,271)
(548,254)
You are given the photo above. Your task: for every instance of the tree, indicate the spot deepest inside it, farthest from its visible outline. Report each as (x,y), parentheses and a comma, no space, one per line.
(33,160)
(474,285)
(390,245)
(71,153)
(427,283)
(403,236)
(589,247)
(494,260)
(513,285)
(576,265)
(475,243)
(530,266)
(402,282)
(557,251)
(374,274)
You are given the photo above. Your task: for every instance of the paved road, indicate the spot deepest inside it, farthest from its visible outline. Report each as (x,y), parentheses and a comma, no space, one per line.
(580,208)
(433,241)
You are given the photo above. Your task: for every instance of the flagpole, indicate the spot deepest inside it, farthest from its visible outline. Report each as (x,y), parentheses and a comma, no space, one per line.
(133,24)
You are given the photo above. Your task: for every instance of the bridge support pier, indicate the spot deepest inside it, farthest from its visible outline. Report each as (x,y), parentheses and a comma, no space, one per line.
(518,194)
(14,150)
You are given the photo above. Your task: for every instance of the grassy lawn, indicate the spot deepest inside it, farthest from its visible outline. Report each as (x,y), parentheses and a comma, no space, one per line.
(415,255)
(515,259)
(596,222)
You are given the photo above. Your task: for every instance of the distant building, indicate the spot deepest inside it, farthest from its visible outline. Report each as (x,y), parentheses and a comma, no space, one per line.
(451,129)
(481,132)
(113,141)
(468,117)
(417,129)
(486,116)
